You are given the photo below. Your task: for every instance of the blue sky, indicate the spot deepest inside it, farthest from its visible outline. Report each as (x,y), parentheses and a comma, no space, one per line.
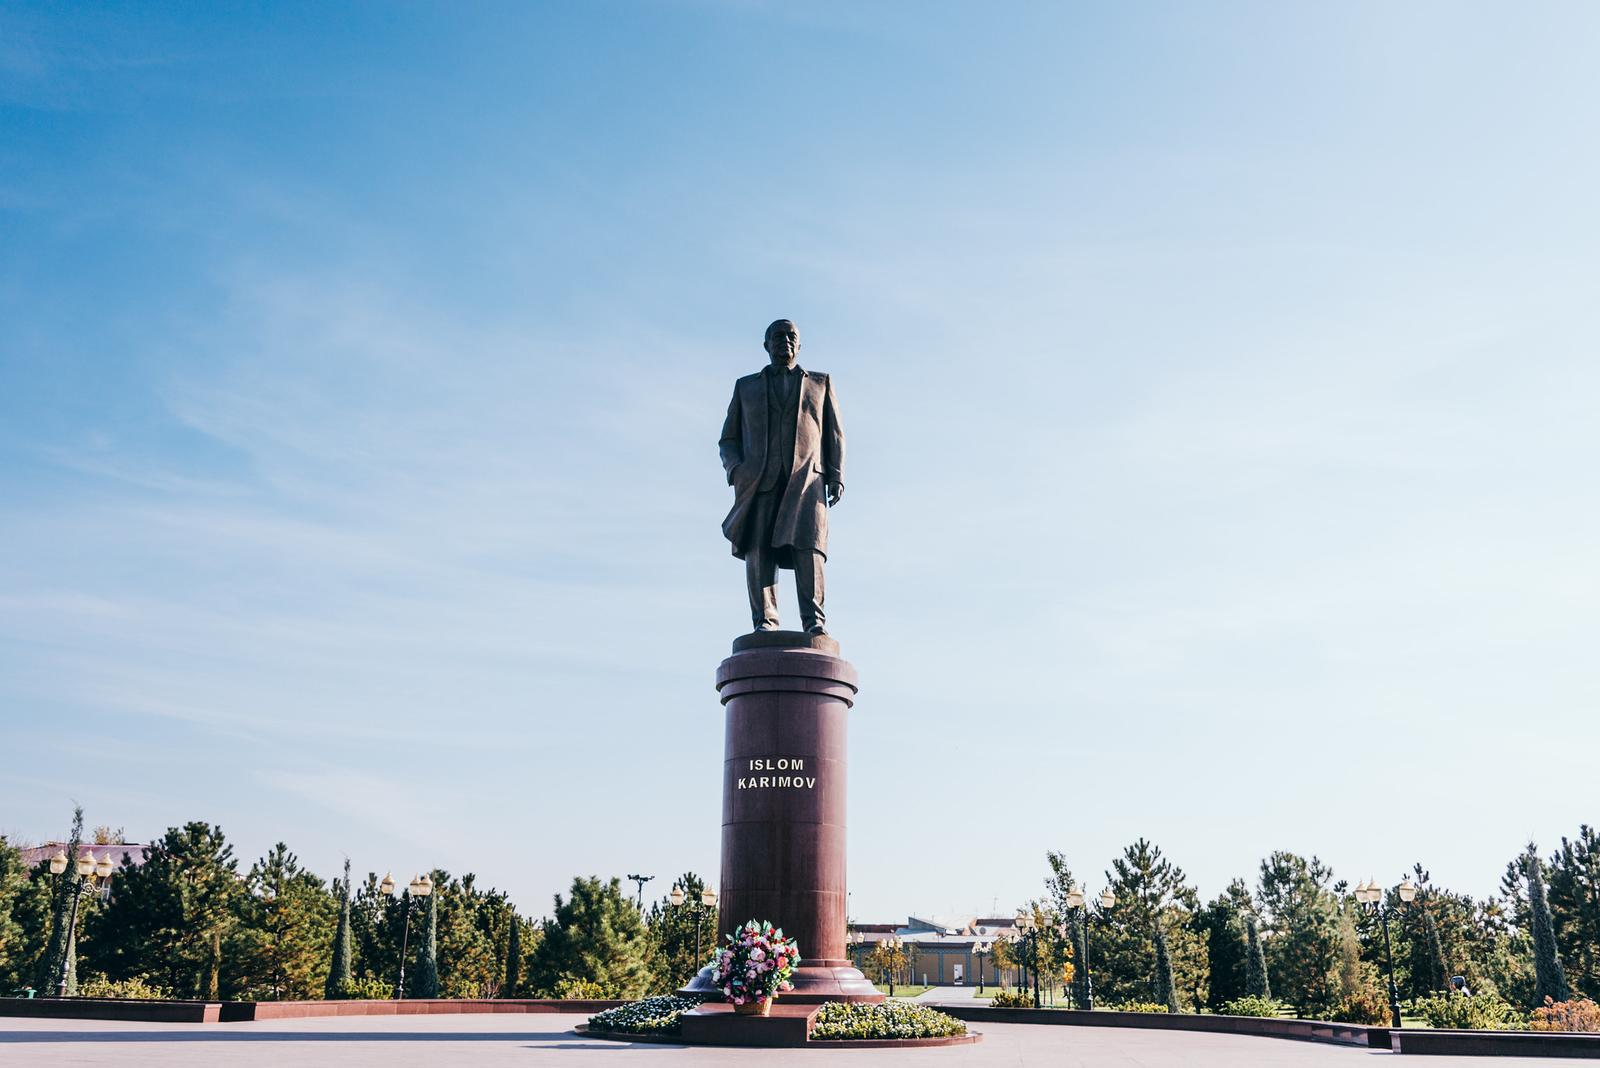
(1219,383)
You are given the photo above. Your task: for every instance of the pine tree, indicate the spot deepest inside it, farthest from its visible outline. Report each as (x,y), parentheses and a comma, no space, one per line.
(279,945)
(1551,979)
(1433,953)
(339,971)
(427,984)
(513,959)
(1166,988)
(63,943)
(1224,927)
(1256,983)
(595,936)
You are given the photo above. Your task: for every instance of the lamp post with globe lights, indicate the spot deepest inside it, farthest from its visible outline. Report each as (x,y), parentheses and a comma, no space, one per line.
(88,869)
(707,902)
(1370,896)
(1075,900)
(419,886)
(1028,934)
(981,950)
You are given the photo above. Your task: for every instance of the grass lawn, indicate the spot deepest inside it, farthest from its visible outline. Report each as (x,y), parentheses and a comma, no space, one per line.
(902,990)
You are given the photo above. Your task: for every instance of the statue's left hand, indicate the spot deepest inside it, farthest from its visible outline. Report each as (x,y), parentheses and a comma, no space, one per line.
(835,491)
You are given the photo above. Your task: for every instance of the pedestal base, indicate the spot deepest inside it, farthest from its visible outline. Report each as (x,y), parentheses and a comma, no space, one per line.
(815,982)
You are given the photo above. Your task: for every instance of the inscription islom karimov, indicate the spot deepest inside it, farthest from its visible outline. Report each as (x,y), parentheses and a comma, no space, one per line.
(777,782)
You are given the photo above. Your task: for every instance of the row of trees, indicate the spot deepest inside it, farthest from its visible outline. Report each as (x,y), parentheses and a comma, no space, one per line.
(1299,934)
(191,922)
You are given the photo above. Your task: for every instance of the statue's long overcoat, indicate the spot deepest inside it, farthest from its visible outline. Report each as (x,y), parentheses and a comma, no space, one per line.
(802,520)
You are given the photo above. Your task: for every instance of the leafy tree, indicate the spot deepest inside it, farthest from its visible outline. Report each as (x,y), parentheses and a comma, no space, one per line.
(14,949)
(62,946)
(426,984)
(278,948)
(672,934)
(597,936)
(339,967)
(1256,982)
(1551,978)
(167,918)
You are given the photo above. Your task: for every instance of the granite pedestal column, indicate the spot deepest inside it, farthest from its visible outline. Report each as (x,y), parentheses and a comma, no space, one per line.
(787,699)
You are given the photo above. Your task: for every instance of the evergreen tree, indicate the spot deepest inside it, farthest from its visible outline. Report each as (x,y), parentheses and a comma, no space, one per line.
(513,960)
(279,946)
(596,935)
(1121,942)
(1256,983)
(1304,920)
(1222,922)
(1551,978)
(14,949)
(1166,988)
(1573,894)
(339,970)
(168,916)
(1082,977)
(1433,971)
(427,982)
(63,943)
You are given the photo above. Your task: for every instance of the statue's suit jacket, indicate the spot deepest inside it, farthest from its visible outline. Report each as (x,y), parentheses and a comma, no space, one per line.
(802,519)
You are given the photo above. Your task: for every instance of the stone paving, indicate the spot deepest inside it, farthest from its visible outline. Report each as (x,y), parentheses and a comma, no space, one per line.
(488,1041)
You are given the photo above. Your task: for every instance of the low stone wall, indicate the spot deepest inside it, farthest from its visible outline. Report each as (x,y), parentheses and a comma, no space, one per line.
(112,1009)
(1267,1027)
(242,1011)
(1497,1043)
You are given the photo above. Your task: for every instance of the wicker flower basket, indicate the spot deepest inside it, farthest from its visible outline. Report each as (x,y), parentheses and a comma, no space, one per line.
(755,1008)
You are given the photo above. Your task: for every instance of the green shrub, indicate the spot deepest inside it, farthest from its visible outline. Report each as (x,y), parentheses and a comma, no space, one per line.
(98,986)
(1253,1006)
(652,1016)
(839,1020)
(1012,999)
(1136,1006)
(1469,1012)
(367,989)
(1363,1006)
(581,989)
(1579,1014)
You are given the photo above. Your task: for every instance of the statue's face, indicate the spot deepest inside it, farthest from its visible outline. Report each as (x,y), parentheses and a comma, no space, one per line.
(784,346)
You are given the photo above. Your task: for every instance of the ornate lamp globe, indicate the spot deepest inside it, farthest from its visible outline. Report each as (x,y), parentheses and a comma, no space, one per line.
(58,863)
(677,895)
(104,866)
(1408,891)
(1108,900)
(387,886)
(85,864)
(1075,897)
(426,887)
(708,898)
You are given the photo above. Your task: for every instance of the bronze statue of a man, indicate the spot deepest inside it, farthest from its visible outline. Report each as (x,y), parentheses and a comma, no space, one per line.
(783,449)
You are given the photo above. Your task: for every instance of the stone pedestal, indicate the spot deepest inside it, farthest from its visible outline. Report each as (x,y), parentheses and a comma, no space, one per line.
(787,699)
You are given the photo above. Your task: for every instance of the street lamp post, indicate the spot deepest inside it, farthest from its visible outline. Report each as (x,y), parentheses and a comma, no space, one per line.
(708,901)
(1030,940)
(419,886)
(1075,900)
(894,942)
(87,868)
(981,950)
(1370,895)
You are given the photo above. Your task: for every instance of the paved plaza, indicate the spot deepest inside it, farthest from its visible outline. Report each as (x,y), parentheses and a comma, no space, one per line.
(488,1041)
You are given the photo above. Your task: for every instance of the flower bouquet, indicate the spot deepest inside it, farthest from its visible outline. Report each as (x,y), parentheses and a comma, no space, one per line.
(755,966)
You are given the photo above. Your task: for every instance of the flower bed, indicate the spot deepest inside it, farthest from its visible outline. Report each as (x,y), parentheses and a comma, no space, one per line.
(844,1021)
(653,1016)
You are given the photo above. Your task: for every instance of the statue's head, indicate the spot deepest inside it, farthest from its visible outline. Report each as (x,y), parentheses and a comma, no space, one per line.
(782,343)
